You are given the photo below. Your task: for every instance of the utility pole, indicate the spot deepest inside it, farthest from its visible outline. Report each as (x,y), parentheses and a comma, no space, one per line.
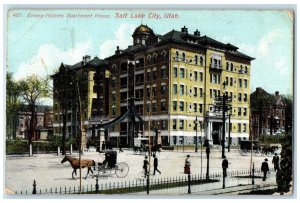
(196,148)
(223,103)
(229,128)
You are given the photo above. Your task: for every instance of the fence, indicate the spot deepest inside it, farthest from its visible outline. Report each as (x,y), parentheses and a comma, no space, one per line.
(164,186)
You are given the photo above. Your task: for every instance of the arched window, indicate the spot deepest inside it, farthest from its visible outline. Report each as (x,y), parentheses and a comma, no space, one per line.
(231,67)
(227,66)
(183,56)
(196,59)
(201,60)
(246,69)
(176,56)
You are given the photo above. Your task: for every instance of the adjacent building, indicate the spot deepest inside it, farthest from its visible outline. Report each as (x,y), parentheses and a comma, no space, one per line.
(268,113)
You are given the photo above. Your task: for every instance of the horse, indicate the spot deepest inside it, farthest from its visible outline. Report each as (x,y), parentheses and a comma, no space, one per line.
(267,150)
(75,164)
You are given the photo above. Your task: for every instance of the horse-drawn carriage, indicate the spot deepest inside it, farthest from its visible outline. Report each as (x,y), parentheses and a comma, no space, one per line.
(108,167)
(258,148)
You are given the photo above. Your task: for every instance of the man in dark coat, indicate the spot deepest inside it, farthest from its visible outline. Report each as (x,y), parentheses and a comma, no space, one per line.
(275,161)
(225,166)
(155,164)
(145,166)
(265,168)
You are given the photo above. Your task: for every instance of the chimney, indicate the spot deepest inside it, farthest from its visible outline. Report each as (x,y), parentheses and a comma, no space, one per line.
(197,33)
(184,29)
(118,50)
(277,93)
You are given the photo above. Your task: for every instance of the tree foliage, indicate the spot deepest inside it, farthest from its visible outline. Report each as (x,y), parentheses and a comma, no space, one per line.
(13,105)
(284,176)
(32,89)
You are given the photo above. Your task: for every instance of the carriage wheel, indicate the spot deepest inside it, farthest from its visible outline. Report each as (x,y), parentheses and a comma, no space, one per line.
(122,170)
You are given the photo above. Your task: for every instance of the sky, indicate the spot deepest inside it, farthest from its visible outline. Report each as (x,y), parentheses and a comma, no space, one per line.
(38,41)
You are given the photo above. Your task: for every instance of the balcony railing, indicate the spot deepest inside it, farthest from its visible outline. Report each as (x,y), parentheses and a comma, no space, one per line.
(215,66)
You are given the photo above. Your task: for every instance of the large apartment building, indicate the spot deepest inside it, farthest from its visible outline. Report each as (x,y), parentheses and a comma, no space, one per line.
(175,79)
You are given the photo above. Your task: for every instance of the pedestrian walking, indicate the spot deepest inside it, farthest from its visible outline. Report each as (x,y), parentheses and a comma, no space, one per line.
(275,161)
(145,166)
(265,168)
(224,166)
(120,149)
(155,165)
(187,165)
(103,146)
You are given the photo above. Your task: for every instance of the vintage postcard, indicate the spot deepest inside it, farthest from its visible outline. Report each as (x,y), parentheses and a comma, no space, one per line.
(145,102)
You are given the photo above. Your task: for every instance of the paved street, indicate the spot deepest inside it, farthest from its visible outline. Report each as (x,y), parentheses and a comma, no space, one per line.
(49,172)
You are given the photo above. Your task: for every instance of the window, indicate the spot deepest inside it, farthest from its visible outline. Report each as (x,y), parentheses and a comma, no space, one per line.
(163,73)
(200,108)
(163,124)
(181,73)
(201,76)
(245,83)
(214,94)
(175,88)
(174,124)
(176,56)
(231,81)
(245,97)
(201,60)
(148,91)
(244,127)
(196,59)
(195,91)
(154,75)
(210,93)
(201,92)
(181,124)
(231,67)
(181,106)
(149,76)
(114,111)
(123,82)
(195,75)
(240,97)
(148,107)
(163,89)
(175,72)
(240,83)
(123,96)
(163,106)
(181,89)
(154,93)
(195,107)
(174,105)
(245,111)
(246,69)
(154,107)
(239,128)
(183,56)
(114,97)
(227,66)
(239,111)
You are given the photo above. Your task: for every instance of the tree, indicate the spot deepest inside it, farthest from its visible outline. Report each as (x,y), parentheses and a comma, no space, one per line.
(32,89)
(65,94)
(284,174)
(13,105)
